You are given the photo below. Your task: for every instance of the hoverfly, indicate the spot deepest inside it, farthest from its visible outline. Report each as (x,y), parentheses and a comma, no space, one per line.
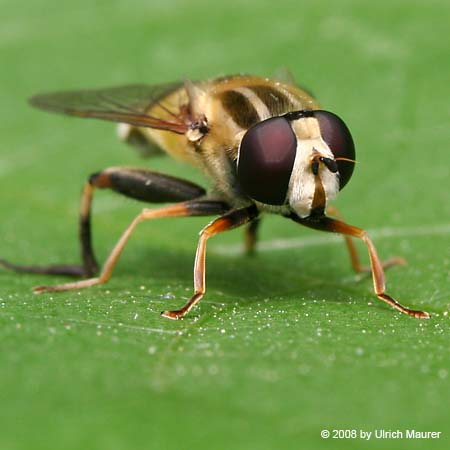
(265,144)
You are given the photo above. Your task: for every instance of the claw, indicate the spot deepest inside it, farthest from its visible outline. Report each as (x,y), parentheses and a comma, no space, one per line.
(174,315)
(40,289)
(419,314)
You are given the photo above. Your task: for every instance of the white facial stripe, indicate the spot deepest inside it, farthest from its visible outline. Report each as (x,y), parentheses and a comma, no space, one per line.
(258,104)
(302,184)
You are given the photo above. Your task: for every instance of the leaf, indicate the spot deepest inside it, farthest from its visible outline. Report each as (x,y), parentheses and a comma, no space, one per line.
(284,344)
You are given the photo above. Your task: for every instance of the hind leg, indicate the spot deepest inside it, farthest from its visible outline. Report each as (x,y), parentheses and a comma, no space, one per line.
(140,184)
(186,209)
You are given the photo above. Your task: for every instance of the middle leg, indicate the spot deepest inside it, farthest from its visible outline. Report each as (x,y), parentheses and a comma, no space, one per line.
(251,236)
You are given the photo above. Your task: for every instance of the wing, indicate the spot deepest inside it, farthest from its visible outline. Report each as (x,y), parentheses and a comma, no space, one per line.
(125,104)
(284,75)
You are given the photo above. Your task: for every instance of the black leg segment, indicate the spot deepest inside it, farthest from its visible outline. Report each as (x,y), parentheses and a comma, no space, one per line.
(136,183)
(145,185)
(251,236)
(183,209)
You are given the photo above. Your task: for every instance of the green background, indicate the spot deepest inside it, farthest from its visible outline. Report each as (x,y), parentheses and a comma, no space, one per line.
(284,344)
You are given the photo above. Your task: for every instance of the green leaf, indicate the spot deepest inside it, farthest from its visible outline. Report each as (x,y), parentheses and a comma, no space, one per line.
(284,344)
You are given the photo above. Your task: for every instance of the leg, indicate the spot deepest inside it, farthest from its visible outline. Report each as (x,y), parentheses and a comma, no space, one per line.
(192,208)
(354,258)
(251,236)
(136,183)
(229,221)
(327,224)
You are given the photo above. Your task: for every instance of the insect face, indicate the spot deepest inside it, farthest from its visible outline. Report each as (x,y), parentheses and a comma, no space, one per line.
(296,159)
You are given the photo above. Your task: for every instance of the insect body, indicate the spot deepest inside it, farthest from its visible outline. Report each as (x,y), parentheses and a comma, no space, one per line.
(266,146)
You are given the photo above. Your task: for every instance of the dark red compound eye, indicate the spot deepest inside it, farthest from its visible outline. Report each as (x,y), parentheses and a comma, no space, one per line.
(338,138)
(266,159)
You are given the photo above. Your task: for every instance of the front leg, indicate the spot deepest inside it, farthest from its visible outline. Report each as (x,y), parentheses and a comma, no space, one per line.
(327,224)
(353,252)
(232,219)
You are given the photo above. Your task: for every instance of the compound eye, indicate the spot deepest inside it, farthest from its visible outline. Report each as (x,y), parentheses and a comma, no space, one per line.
(266,159)
(338,138)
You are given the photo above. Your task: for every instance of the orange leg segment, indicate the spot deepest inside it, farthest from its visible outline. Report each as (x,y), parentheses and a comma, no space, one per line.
(353,252)
(328,224)
(231,220)
(192,208)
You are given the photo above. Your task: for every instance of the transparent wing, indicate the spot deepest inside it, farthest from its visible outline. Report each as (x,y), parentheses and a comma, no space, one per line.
(285,75)
(127,104)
